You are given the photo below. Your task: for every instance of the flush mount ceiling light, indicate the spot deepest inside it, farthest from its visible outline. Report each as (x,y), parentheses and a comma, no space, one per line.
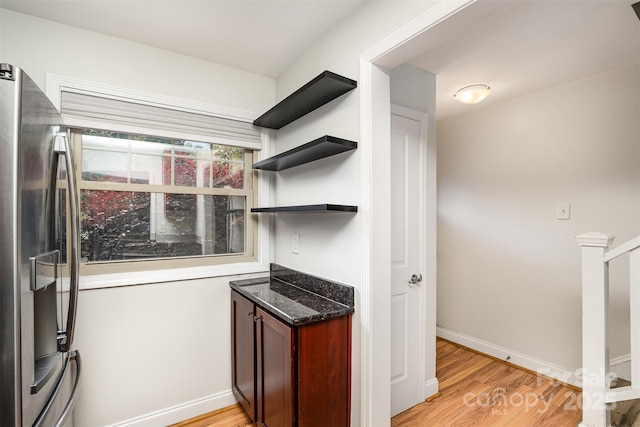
(472,94)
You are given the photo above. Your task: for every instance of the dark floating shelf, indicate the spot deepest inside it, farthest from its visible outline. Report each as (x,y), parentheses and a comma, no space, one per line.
(322,89)
(307,208)
(314,150)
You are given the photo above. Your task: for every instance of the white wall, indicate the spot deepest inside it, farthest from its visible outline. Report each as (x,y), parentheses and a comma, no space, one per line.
(330,244)
(508,270)
(336,179)
(155,348)
(154,354)
(39,47)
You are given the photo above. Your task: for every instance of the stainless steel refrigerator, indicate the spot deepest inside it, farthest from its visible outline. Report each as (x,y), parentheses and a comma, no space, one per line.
(39,371)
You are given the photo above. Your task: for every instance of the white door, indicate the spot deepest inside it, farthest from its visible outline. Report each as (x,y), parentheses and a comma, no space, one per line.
(408,239)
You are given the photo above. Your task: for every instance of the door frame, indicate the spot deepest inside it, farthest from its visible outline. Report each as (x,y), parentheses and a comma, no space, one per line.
(374,87)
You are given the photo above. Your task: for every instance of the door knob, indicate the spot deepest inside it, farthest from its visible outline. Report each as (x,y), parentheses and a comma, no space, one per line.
(415,279)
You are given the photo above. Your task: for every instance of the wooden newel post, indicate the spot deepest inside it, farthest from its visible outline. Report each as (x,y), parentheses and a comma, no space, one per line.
(595,313)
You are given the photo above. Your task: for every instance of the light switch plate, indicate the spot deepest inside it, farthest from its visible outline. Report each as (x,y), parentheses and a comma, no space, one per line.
(563,210)
(295,243)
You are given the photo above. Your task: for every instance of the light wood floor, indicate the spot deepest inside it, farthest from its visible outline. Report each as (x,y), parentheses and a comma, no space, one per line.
(231,416)
(475,390)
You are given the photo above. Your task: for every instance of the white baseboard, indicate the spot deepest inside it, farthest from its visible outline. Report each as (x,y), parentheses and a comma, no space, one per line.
(181,412)
(522,360)
(431,387)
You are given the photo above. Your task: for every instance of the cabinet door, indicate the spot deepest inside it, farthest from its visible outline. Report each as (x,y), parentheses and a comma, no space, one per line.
(324,373)
(275,351)
(243,352)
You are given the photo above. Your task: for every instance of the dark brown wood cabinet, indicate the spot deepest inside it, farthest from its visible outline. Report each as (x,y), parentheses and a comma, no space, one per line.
(302,374)
(275,357)
(243,353)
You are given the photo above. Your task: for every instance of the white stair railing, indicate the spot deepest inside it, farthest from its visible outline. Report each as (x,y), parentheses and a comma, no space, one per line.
(596,378)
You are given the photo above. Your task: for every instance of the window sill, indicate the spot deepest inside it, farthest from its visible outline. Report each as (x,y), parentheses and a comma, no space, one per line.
(101,281)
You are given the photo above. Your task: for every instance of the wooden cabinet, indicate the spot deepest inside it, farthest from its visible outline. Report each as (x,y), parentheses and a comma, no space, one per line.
(275,354)
(243,353)
(302,373)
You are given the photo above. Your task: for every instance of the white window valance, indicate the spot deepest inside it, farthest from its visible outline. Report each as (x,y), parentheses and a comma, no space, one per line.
(88,105)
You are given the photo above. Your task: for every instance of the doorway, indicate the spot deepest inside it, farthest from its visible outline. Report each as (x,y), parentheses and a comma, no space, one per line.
(374,84)
(408,235)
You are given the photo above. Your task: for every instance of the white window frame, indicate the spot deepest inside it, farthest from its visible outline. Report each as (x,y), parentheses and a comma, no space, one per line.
(56,84)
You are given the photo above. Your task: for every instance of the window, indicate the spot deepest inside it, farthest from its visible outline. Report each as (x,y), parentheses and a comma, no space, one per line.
(152,202)
(165,183)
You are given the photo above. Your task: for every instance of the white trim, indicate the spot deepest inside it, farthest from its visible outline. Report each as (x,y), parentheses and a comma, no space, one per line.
(370,394)
(519,359)
(622,249)
(181,412)
(595,239)
(100,281)
(366,316)
(431,388)
(376,256)
(56,84)
(414,28)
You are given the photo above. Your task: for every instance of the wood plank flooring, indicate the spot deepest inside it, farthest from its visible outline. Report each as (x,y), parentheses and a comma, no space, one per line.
(231,416)
(475,390)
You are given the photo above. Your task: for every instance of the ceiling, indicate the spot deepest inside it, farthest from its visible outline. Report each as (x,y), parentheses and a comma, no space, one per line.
(515,46)
(522,47)
(261,36)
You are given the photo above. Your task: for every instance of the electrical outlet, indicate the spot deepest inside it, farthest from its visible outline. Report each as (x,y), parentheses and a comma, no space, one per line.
(563,210)
(295,243)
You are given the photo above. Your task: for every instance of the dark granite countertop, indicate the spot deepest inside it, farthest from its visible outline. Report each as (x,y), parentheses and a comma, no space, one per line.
(315,300)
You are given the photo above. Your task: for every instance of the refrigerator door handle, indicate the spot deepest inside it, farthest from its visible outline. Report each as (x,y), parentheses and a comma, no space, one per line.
(74,356)
(63,147)
(68,408)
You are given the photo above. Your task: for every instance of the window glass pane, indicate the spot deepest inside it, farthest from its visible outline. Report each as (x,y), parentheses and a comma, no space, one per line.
(104,166)
(191,173)
(194,149)
(229,222)
(204,174)
(118,225)
(185,171)
(105,142)
(147,147)
(228,167)
(146,169)
(140,159)
(227,174)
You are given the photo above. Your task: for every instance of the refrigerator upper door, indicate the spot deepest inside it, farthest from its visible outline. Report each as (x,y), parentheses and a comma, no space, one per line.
(31,365)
